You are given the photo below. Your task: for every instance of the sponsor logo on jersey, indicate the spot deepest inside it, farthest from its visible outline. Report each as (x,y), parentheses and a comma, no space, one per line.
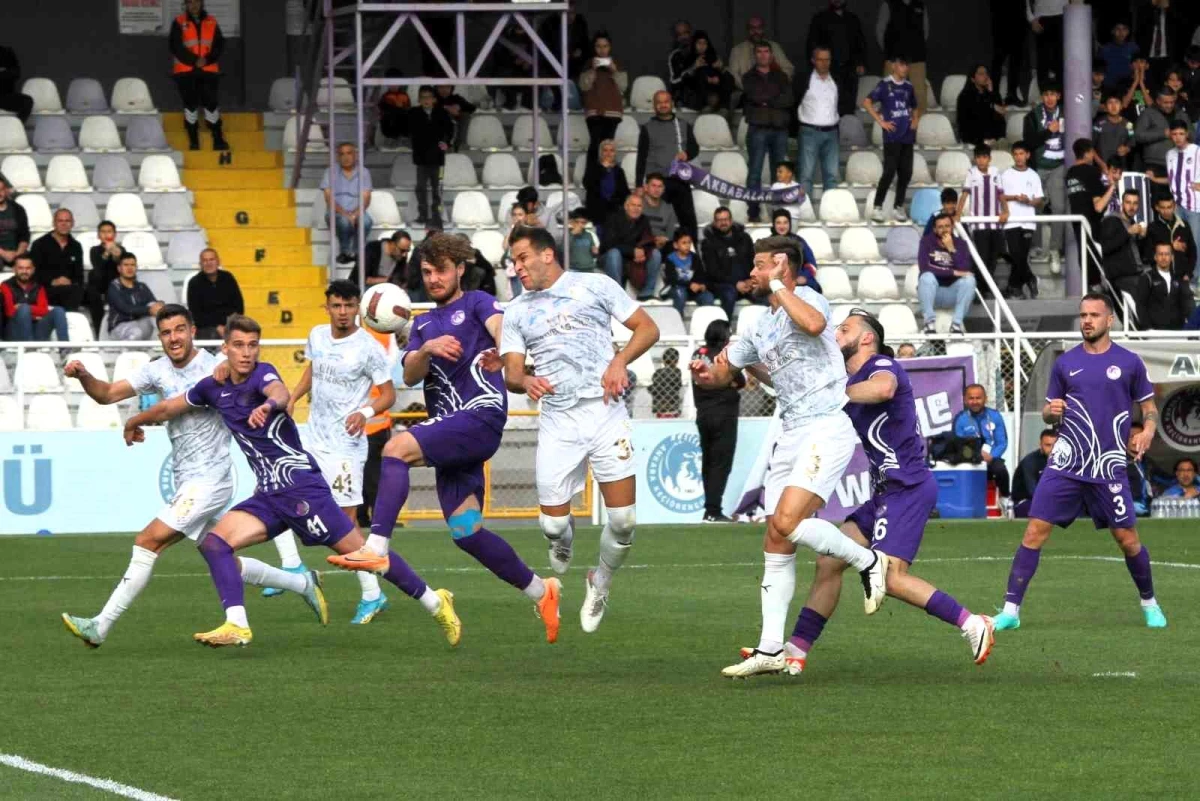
(1113,372)
(1180,424)
(673,473)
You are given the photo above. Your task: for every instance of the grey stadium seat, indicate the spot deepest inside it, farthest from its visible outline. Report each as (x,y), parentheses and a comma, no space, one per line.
(902,244)
(160,284)
(87,217)
(173,212)
(146,133)
(851,132)
(185,248)
(53,134)
(86,96)
(113,174)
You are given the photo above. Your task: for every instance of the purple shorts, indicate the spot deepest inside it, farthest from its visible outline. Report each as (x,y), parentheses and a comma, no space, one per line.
(894,520)
(307,508)
(456,446)
(1060,499)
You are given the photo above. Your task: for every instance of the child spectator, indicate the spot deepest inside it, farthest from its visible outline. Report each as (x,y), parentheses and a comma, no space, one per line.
(1113,135)
(582,244)
(785,178)
(685,279)
(1118,55)
(982,189)
(459,109)
(666,385)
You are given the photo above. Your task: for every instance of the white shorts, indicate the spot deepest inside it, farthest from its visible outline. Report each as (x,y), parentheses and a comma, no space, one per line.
(197,505)
(343,473)
(812,457)
(590,432)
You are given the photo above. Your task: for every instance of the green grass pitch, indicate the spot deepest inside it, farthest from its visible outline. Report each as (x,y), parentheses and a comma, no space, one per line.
(1081,702)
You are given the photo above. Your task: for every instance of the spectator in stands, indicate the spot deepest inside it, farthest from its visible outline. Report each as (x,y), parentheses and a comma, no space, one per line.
(59,260)
(516,219)
(1113,135)
(906,351)
(459,109)
(945,280)
(980,112)
(1009,38)
(14,226)
(1046,19)
(387,259)
(604,183)
(104,258)
(535,210)
(1169,227)
(603,84)
(579,46)
(666,385)
(716,422)
(727,252)
(394,105)
(705,84)
(817,93)
(582,246)
(949,209)
(1153,130)
(212,295)
(1135,92)
(27,310)
(1164,303)
(1190,75)
(1183,178)
(684,276)
(480,274)
(781,225)
(1120,238)
(432,133)
(342,194)
(1029,472)
(742,58)
(1161,35)
(982,190)
(1023,194)
(1117,55)
(902,29)
(663,222)
(680,59)
(628,249)
(11,99)
(898,116)
(1044,131)
(665,138)
(512,59)
(841,32)
(131,304)
(978,421)
(785,178)
(766,103)
(1087,193)
(196,43)
(1185,485)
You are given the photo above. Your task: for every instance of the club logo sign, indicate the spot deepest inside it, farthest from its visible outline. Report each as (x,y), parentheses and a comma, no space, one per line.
(673,473)
(1181,418)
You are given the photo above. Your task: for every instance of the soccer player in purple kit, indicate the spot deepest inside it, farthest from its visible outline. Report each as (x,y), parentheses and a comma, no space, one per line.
(452,349)
(290,492)
(1091,389)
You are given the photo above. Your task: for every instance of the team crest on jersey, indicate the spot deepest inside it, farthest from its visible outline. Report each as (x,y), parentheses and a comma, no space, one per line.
(1113,372)
(458,317)
(302,509)
(1060,455)
(1115,488)
(673,473)
(1180,424)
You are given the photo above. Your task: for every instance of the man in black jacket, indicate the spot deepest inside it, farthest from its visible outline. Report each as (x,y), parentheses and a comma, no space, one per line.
(104,258)
(431,132)
(767,104)
(387,259)
(1164,302)
(628,249)
(1170,228)
(14,226)
(679,60)
(1120,241)
(59,260)
(212,296)
(841,32)
(1029,472)
(728,255)
(663,139)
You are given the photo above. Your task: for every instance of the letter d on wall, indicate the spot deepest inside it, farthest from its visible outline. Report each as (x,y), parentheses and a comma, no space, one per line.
(14,495)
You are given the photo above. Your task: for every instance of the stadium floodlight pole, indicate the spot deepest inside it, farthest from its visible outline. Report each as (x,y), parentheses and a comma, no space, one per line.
(564,140)
(359,74)
(1077,111)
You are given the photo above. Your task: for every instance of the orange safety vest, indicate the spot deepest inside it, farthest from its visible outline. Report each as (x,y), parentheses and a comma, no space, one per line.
(381,422)
(199,42)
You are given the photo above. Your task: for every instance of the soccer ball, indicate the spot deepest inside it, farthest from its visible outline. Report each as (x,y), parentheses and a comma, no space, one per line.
(386,308)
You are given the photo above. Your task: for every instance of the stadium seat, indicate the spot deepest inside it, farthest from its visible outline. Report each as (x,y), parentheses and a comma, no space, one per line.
(808,214)
(935,130)
(506,202)
(21,172)
(702,318)
(490,244)
(925,204)
(485,132)
(472,210)
(931,99)
(620,333)
(501,171)
(282,97)
(1035,92)
(889,201)
(1001,160)
(291,136)
(93,361)
(48,413)
(44,94)
(53,134)
(160,284)
(712,132)
(127,363)
(158,173)
(184,249)
(629,167)
(383,209)
(758,232)
(145,134)
(99,135)
(36,372)
(838,206)
(132,96)
(552,196)
(86,96)
(578,170)
(858,244)
(126,211)
(876,282)
(522,133)
(86,239)
(643,370)
(627,134)
(11,418)
(341,95)
(1014,127)
(902,244)
(12,136)
(864,168)
(897,320)
(112,173)
(838,312)
(851,133)
(6,386)
(835,283)
(730,167)
(641,93)
(84,210)
(670,323)
(920,170)
(866,85)
(79,327)
(144,245)
(459,172)
(952,168)
(705,204)
(576,133)
(747,318)
(952,85)
(173,212)
(818,242)
(910,282)
(876,135)
(91,416)
(66,173)
(38,212)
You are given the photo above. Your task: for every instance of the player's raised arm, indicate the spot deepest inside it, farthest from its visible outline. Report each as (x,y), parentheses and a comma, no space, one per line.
(160,412)
(101,392)
(879,388)
(806,317)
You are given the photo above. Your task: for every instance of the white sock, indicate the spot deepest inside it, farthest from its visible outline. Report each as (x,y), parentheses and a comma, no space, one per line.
(1151,601)
(794,650)
(431,601)
(260,574)
(612,556)
(824,538)
(137,576)
(536,589)
(237,616)
(369,583)
(378,545)
(1012,609)
(289,556)
(778,587)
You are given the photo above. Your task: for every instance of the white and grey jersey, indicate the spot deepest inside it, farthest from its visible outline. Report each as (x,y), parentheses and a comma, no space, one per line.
(343,373)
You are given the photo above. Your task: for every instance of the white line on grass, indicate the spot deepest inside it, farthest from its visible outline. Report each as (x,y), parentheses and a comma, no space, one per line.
(108,785)
(1115,674)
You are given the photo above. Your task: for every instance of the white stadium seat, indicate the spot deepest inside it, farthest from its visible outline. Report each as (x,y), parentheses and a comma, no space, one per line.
(759,232)
(952,85)
(835,283)
(522,133)
(920,170)
(490,244)
(112,173)
(86,215)
(144,245)
(576,133)
(712,132)
(291,136)
(876,135)
(864,168)
(866,85)
(839,312)
(620,333)
(818,242)
(629,167)
(641,94)
(485,132)
(160,283)
(53,134)
(730,167)
(185,247)
(342,96)
(79,327)
(36,372)
(897,320)
(506,203)
(876,282)
(48,413)
(91,416)
(472,210)
(705,204)
(702,318)
(158,173)
(283,95)
(132,96)
(902,244)
(38,212)
(459,172)
(1001,160)
(501,171)
(576,173)
(86,96)
(45,95)
(11,418)
(12,136)
(952,168)
(99,135)
(935,130)
(838,206)
(858,244)
(127,363)
(931,99)
(850,132)
(126,211)
(627,134)
(747,318)
(173,212)
(383,209)
(6,386)
(21,171)
(66,173)
(95,365)
(910,281)
(739,209)
(670,324)
(86,239)
(1014,127)
(643,370)
(146,133)
(889,201)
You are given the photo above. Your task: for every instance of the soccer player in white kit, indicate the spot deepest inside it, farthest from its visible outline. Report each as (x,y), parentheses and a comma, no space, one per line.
(563,322)
(795,343)
(344,363)
(204,482)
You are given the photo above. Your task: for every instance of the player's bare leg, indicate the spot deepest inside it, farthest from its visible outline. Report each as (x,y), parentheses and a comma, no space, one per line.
(1024,565)
(616,539)
(1137,561)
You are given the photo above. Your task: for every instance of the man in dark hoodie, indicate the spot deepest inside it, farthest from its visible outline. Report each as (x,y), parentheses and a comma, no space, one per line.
(728,256)
(767,104)
(663,139)
(432,133)
(1170,228)
(628,249)
(131,304)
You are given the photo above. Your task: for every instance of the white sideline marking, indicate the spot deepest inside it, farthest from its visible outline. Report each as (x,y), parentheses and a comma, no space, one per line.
(1115,674)
(108,785)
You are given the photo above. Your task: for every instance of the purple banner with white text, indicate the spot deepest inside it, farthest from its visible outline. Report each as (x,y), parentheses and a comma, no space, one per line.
(700,178)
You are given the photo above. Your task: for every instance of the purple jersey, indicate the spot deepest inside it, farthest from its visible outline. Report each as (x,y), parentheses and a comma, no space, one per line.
(889,431)
(274,451)
(897,102)
(1100,389)
(463,384)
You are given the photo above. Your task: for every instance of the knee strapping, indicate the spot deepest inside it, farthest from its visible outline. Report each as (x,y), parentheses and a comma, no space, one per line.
(621,521)
(465,523)
(554,528)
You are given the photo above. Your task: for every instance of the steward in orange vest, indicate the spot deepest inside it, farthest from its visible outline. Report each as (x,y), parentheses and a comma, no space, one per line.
(196,43)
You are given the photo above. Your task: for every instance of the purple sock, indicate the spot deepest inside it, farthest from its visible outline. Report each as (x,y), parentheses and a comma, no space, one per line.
(809,626)
(1139,569)
(403,576)
(944,607)
(494,553)
(1025,564)
(226,575)
(390,496)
